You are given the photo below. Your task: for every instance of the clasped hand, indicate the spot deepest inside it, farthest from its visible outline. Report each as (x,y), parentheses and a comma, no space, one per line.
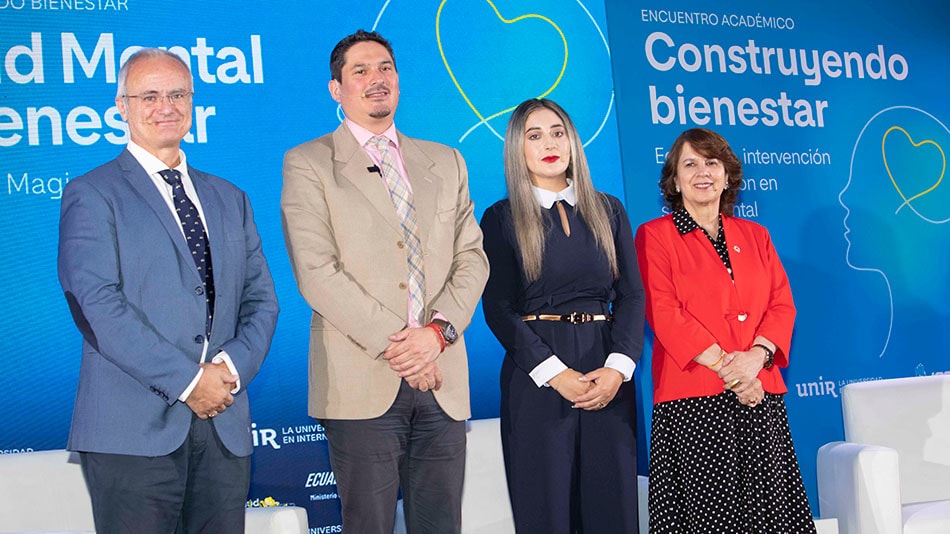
(412,354)
(739,373)
(591,391)
(212,394)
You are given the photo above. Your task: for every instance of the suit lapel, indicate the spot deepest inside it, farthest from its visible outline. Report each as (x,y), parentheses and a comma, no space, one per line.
(419,166)
(354,161)
(742,256)
(217,239)
(142,184)
(207,195)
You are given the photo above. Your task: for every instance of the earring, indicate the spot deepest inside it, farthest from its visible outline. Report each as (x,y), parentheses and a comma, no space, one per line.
(677,188)
(726,186)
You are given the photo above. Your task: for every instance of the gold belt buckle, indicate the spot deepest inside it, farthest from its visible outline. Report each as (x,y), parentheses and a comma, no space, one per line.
(578,318)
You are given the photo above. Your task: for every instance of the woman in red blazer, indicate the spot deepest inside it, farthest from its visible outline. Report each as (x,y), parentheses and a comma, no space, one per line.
(719,304)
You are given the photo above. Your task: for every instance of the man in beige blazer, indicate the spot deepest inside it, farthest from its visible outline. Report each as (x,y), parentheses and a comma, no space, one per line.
(387,252)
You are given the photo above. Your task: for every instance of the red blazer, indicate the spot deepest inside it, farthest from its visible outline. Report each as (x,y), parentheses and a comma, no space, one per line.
(692,303)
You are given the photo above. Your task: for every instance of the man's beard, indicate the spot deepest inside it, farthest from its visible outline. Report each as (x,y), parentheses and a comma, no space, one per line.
(381,113)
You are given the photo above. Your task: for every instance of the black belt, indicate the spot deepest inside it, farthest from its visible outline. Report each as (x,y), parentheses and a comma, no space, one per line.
(573,318)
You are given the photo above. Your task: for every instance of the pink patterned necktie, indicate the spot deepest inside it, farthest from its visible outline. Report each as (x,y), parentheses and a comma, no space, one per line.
(402,200)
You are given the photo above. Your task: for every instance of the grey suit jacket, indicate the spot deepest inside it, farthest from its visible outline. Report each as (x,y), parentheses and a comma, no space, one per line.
(136,296)
(346,247)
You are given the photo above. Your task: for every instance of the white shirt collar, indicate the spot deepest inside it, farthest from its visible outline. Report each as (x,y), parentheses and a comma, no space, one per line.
(548,198)
(152,164)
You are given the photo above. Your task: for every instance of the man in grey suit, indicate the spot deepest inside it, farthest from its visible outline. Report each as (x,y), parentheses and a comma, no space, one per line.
(162,268)
(387,252)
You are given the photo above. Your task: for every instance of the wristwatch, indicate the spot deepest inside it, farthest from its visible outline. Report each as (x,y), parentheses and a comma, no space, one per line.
(448,331)
(769,356)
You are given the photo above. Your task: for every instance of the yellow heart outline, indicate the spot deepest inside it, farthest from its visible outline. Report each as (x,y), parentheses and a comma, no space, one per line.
(438,38)
(915,145)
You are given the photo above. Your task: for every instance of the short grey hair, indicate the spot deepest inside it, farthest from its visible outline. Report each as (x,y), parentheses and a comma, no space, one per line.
(144,54)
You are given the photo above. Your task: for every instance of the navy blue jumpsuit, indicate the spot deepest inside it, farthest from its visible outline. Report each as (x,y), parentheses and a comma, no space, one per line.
(568,470)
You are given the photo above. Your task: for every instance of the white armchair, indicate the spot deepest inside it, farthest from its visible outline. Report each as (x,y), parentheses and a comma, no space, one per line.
(892,474)
(485,505)
(45,492)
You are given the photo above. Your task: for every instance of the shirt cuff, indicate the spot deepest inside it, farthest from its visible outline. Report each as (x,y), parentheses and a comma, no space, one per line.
(187,393)
(224,357)
(622,363)
(547,370)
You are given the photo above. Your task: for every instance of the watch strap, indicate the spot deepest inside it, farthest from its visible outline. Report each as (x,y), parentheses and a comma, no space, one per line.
(769,356)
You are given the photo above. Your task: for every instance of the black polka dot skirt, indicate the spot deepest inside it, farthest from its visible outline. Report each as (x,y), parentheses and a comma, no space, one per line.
(717,466)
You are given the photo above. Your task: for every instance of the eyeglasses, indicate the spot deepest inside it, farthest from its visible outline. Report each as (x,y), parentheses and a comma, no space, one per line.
(175,98)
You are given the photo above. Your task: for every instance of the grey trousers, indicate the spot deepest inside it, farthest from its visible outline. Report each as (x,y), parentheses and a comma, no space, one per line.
(199,488)
(415,446)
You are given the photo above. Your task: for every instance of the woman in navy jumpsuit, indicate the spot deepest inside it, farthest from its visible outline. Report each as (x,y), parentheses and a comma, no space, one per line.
(570,317)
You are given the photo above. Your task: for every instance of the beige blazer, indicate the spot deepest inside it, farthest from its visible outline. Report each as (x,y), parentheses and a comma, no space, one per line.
(346,248)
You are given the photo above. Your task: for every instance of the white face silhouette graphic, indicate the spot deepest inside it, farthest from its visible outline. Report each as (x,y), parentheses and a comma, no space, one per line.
(897,204)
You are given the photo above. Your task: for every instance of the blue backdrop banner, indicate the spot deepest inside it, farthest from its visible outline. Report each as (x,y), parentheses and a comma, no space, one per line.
(261,74)
(836,110)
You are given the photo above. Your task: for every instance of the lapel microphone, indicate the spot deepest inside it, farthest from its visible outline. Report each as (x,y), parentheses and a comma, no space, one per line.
(374,168)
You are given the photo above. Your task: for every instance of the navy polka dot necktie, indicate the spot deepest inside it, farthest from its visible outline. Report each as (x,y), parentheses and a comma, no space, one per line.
(196,237)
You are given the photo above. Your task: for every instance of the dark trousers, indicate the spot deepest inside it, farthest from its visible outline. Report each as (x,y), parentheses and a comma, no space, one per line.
(199,488)
(569,471)
(415,445)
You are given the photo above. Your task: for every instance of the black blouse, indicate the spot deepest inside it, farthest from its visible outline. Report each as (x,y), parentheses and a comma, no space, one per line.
(685,224)
(575,277)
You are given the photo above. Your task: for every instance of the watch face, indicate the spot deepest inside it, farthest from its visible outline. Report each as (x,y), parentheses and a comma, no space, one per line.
(450,334)
(448,331)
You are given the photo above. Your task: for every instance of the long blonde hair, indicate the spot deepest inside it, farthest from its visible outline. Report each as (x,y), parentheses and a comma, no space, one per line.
(525,211)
